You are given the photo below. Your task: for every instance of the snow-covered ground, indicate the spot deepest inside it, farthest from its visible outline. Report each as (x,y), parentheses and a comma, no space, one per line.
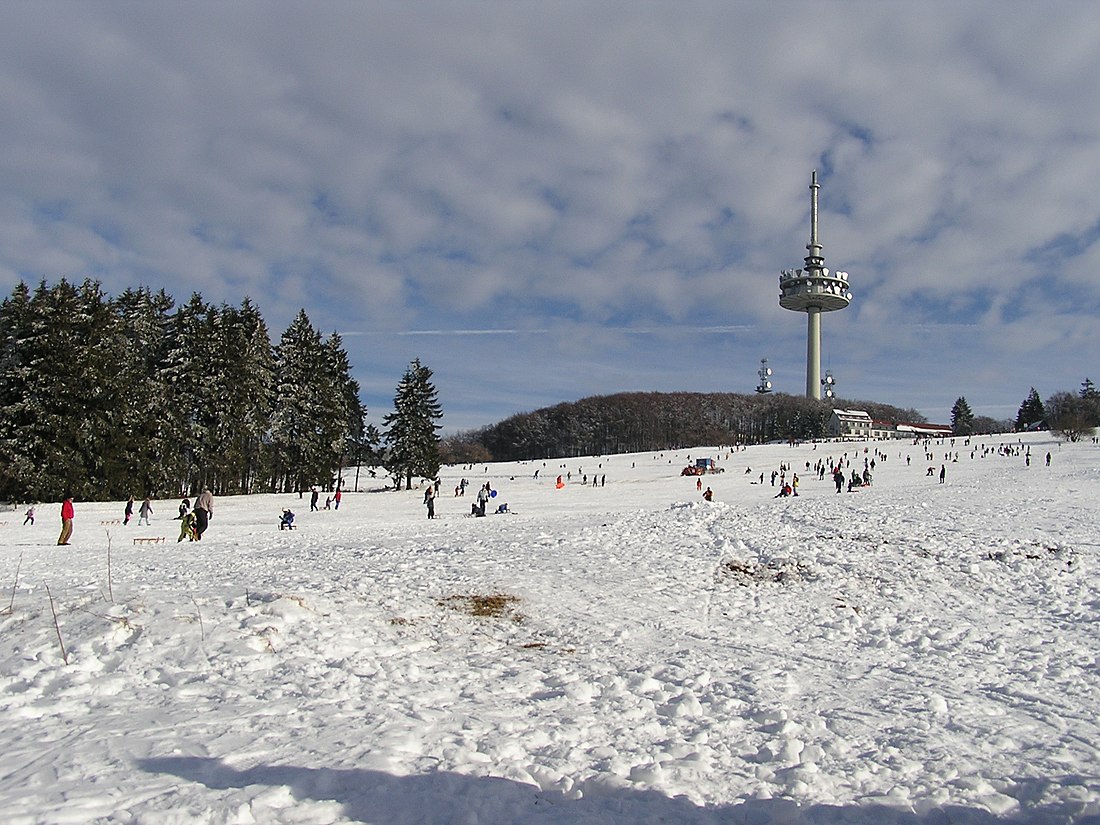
(912,652)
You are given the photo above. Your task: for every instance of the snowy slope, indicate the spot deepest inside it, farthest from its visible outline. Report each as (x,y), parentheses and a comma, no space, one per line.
(912,652)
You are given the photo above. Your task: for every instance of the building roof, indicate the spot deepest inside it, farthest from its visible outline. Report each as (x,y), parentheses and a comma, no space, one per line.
(860,414)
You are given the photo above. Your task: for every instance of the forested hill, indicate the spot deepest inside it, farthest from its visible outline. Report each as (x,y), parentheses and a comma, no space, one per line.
(635,422)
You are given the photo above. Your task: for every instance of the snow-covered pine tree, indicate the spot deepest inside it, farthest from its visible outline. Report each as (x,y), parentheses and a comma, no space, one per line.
(237,389)
(351,409)
(184,372)
(142,438)
(411,438)
(249,395)
(17,385)
(962,417)
(1031,411)
(309,424)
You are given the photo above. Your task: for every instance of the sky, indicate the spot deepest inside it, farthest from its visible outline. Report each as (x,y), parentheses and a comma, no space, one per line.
(547,201)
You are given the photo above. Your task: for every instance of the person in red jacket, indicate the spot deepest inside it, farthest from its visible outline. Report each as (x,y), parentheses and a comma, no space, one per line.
(66,519)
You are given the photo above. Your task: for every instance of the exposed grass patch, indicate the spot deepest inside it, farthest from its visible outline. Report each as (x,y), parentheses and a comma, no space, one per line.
(782,571)
(493,606)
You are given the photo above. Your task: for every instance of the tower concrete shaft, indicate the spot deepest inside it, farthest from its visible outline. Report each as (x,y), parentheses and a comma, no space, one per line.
(813,290)
(813,353)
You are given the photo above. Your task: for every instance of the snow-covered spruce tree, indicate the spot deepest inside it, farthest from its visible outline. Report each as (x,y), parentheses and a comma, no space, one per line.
(249,394)
(351,408)
(411,438)
(962,417)
(185,370)
(18,383)
(309,425)
(239,389)
(142,420)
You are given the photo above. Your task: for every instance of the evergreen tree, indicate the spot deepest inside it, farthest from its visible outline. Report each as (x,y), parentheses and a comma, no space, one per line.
(251,390)
(1031,411)
(17,387)
(142,438)
(309,427)
(239,391)
(962,417)
(350,408)
(184,371)
(412,438)
(1090,396)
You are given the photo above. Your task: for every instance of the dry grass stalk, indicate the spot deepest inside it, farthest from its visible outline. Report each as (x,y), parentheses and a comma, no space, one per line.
(57,627)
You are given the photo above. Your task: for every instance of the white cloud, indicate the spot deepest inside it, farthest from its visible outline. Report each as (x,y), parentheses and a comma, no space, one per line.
(466,167)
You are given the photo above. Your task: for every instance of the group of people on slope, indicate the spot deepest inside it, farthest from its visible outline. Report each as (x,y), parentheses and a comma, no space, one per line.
(331,502)
(193,523)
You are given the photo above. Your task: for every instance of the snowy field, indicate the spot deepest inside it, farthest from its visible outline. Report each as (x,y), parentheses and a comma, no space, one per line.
(912,652)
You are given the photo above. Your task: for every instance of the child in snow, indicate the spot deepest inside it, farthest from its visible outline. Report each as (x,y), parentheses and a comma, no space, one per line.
(187,528)
(145,511)
(286,522)
(29,516)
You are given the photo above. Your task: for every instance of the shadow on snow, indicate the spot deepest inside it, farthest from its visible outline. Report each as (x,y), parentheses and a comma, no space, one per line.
(445,798)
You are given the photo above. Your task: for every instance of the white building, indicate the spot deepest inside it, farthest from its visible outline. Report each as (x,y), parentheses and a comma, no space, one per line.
(852,424)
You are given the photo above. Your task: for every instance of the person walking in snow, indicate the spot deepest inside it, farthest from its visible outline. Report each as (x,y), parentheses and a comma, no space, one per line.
(187,527)
(204,509)
(708,495)
(429,500)
(129,514)
(67,514)
(29,516)
(943,473)
(314,494)
(482,499)
(336,498)
(145,511)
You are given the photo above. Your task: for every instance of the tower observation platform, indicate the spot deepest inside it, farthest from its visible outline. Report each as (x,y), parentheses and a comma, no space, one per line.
(813,290)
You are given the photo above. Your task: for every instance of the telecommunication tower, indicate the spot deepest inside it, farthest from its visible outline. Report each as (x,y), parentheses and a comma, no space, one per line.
(765,374)
(828,384)
(813,290)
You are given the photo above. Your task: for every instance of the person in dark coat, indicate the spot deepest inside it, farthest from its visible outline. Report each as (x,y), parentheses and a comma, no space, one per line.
(204,509)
